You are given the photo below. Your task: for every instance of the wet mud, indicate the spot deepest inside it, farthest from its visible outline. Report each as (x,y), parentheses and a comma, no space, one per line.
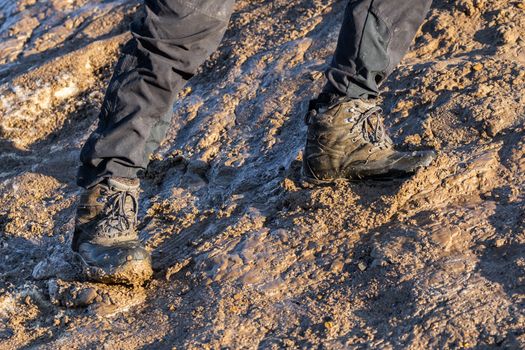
(246,254)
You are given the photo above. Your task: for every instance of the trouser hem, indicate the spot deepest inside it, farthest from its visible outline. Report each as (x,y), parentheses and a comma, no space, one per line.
(88,176)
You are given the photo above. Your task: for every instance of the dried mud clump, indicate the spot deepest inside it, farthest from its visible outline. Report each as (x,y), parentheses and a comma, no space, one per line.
(245,254)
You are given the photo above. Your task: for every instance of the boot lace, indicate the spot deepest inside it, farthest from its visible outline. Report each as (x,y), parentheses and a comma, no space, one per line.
(372,127)
(116,220)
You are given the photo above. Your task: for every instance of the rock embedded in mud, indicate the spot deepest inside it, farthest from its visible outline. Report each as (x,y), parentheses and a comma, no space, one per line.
(100,299)
(500,242)
(71,294)
(87,296)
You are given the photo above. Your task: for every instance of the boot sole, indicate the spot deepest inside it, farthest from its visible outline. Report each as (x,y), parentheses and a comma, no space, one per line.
(376,179)
(391,176)
(133,273)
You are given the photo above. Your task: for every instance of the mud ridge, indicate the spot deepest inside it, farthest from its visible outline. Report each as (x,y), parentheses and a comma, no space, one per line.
(245,254)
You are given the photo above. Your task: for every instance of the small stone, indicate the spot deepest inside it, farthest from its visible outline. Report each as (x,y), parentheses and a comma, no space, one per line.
(129,258)
(328,324)
(477,67)
(86,296)
(361,266)
(500,242)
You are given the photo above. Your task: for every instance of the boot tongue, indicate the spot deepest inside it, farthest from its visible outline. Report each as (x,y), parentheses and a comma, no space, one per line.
(130,186)
(126,200)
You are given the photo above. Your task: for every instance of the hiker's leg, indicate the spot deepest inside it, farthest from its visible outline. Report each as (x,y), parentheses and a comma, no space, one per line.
(374,37)
(346,137)
(171,40)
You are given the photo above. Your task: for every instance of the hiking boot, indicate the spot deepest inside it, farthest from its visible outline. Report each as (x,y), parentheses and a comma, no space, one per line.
(105,240)
(347,139)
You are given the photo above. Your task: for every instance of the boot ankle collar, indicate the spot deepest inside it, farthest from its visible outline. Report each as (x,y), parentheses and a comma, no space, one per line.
(327,101)
(122,184)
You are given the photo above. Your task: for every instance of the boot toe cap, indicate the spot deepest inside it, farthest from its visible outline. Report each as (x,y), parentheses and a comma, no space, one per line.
(416,160)
(112,256)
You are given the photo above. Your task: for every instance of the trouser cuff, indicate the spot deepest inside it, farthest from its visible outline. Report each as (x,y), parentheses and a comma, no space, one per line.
(88,175)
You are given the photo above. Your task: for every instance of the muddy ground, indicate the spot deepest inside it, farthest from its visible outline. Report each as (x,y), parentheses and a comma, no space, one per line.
(247,255)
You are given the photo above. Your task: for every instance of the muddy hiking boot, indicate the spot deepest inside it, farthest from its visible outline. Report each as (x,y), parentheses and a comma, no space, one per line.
(347,139)
(105,240)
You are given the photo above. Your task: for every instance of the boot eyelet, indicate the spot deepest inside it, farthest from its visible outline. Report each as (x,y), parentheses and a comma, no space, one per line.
(354,139)
(349,120)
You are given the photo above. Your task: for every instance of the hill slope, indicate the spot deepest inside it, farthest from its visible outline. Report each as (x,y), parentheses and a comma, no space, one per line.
(246,255)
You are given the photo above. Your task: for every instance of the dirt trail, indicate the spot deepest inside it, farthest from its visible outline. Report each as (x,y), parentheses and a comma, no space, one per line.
(245,254)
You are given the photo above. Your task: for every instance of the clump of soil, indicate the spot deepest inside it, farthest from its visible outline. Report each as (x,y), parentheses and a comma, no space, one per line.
(245,254)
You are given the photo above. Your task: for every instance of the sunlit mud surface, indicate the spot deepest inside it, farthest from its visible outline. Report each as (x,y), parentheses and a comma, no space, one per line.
(246,255)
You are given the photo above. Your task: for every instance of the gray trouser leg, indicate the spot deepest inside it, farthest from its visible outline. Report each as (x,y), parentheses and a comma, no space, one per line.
(169,43)
(374,37)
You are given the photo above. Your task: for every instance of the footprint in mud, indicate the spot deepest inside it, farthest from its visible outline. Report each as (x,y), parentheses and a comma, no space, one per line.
(100,299)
